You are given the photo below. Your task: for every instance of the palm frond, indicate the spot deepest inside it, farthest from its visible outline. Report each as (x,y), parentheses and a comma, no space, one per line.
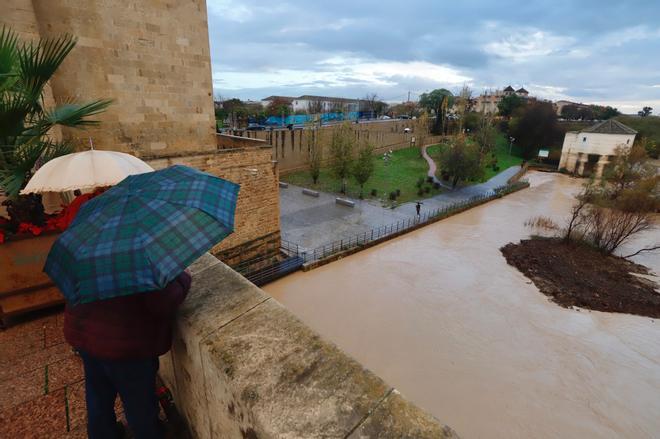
(14,108)
(76,115)
(38,61)
(8,57)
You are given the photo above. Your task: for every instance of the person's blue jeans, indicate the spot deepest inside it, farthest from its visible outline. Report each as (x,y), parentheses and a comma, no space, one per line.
(135,382)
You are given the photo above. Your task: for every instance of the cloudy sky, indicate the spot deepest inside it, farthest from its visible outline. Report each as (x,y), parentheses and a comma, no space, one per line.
(592,51)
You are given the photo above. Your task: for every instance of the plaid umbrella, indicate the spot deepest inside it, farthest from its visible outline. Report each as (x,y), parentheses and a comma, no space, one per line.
(141,234)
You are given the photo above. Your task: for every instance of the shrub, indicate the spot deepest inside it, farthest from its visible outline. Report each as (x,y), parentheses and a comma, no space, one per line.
(496,168)
(436,185)
(429,179)
(420,182)
(374,192)
(392,195)
(398,192)
(420,192)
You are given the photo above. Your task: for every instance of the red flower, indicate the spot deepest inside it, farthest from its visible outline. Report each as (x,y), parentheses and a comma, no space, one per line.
(24,227)
(36,230)
(2,236)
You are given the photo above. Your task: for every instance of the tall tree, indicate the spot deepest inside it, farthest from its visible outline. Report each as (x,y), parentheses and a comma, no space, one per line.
(314,154)
(364,166)
(646,111)
(485,134)
(463,105)
(278,107)
(535,127)
(437,102)
(509,104)
(461,160)
(422,131)
(341,152)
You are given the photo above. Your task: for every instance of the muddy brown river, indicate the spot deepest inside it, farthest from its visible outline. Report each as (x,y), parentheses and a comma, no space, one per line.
(440,315)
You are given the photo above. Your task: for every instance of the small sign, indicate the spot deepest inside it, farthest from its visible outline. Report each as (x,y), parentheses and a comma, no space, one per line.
(544,153)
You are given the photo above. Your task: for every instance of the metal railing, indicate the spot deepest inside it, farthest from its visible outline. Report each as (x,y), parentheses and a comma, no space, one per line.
(377,233)
(262,270)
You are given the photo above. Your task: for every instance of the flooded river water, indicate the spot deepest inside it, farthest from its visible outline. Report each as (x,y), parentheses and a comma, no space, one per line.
(440,315)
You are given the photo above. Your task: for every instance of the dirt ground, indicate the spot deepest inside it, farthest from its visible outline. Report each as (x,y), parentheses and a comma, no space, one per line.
(576,275)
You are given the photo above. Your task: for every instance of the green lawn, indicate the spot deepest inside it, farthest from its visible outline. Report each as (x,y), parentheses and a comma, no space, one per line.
(402,171)
(504,160)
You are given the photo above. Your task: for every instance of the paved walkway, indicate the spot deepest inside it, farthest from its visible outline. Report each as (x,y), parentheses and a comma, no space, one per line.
(42,387)
(311,222)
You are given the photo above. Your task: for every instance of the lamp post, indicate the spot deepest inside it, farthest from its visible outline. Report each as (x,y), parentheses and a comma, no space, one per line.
(511,140)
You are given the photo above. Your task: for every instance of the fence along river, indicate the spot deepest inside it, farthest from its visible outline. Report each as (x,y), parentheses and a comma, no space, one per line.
(440,315)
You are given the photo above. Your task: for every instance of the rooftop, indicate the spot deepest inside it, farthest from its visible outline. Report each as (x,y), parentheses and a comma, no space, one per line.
(610,126)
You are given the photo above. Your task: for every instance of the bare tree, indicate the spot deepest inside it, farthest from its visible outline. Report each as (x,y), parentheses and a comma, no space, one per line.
(315,106)
(314,154)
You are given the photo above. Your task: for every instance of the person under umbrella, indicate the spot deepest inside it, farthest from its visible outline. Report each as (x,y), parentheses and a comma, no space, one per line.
(121,266)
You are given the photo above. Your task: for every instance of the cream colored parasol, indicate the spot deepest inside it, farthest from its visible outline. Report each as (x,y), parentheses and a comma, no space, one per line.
(85,171)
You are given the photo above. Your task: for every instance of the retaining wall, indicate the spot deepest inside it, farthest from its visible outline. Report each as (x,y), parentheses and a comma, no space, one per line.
(242,366)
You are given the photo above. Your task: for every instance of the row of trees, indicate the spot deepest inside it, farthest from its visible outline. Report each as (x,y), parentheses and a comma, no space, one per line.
(346,159)
(588,112)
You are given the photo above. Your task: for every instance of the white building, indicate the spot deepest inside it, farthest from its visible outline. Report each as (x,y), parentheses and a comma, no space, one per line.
(316,104)
(589,151)
(488,102)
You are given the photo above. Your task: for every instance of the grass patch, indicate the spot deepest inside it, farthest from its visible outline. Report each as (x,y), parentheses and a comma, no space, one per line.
(648,127)
(402,172)
(504,160)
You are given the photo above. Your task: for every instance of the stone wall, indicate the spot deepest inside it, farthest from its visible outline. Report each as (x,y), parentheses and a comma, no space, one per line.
(151,57)
(242,366)
(257,222)
(226,141)
(291,151)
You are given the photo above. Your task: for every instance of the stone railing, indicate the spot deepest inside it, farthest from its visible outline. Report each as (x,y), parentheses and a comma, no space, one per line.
(242,366)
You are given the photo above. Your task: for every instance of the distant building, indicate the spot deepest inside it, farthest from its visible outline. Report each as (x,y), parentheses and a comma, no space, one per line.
(489,100)
(588,151)
(316,104)
(559,106)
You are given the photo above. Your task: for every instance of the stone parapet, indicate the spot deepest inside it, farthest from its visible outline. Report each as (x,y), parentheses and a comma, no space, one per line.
(242,366)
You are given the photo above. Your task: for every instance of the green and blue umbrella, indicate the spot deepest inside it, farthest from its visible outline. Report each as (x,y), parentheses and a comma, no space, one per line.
(141,234)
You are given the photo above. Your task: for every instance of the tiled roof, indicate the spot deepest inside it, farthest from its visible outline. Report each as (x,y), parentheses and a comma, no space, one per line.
(521,90)
(610,126)
(509,88)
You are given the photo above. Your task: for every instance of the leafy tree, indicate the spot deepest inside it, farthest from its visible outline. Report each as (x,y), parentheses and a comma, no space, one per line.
(508,106)
(314,154)
(605,113)
(437,102)
(535,127)
(646,111)
(25,124)
(461,160)
(341,153)
(364,166)
(278,107)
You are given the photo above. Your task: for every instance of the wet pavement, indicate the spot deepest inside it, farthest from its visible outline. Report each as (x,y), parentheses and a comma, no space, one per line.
(439,314)
(311,222)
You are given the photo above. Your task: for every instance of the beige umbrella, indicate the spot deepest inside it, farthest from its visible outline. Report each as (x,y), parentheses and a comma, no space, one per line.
(85,171)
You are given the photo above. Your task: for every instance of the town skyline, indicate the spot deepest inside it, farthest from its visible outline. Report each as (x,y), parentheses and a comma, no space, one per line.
(593,52)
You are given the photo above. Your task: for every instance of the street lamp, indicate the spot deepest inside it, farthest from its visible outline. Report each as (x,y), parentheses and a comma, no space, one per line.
(511,140)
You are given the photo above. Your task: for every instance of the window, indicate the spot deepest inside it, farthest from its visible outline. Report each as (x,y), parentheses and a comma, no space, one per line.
(584,139)
(628,142)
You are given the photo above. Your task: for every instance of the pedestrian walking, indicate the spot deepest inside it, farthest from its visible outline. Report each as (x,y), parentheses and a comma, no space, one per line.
(418,207)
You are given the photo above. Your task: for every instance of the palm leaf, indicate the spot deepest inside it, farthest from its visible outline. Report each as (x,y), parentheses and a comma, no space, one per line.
(8,57)
(38,61)
(76,115)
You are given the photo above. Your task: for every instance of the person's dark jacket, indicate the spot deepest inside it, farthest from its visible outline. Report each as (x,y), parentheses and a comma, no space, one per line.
(129,327)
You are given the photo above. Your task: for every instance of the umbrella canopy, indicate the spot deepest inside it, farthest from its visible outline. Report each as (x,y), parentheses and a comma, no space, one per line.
(141,234)
(85,170)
